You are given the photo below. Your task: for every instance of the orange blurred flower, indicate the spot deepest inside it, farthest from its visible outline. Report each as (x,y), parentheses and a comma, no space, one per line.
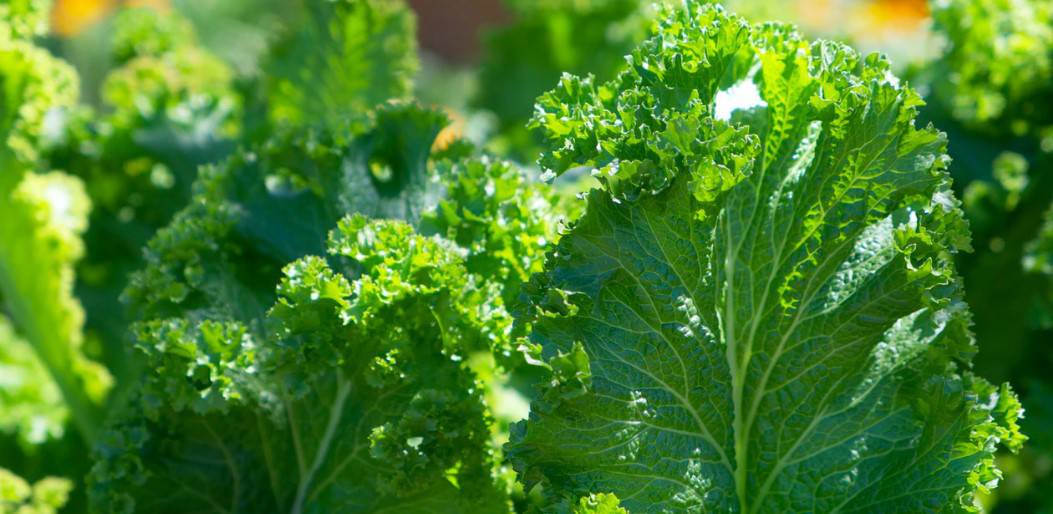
(871,16)
(897,13)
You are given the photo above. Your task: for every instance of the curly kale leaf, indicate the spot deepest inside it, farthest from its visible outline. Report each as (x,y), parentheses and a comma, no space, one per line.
(373,343)
(490,209)
(351,393)
(262,209)
(44,217)
(36,85)
(759,310)
(502,222)
(345,57)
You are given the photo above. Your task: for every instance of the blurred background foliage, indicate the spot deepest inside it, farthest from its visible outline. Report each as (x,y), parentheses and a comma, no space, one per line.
(985,68)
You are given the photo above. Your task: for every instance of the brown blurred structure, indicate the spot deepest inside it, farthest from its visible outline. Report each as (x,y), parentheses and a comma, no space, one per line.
(452,28)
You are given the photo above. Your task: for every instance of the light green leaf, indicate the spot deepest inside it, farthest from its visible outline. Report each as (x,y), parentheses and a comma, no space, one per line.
(34,86)
(598,504)
(44,217)
(46,496)
(32,405)
(24,19)
(501,219)
(758,311)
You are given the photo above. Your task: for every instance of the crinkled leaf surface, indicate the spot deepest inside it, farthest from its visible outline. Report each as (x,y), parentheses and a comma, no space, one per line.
(602,503)
(759,315)
(499,217)
(348,395)
(265,208)
(504,224)
(261,209)
(347,387)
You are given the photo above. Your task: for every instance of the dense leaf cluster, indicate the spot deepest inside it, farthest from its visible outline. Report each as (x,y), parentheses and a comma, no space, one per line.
(292,288)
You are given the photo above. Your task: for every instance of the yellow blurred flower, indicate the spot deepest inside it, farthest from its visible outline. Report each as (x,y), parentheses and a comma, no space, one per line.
(451,132)
(70,17)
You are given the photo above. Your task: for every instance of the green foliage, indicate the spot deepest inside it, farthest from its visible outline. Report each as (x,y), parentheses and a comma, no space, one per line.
(598,504)
(547,38)
(500,218)
(35,84)
(991,90)
(23,19)
(503,222)
(372,343)
(349,393)
(169,107)
(346,57)
(32,405)
(761,315)
(998,63)
(17,496)
(262,209)
(44,215)
(741,295)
